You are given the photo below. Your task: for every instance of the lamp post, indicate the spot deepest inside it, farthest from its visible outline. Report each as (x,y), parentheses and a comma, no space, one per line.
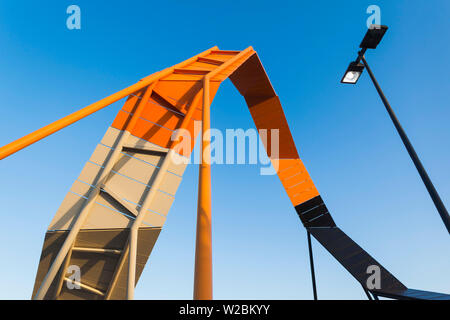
(351,76)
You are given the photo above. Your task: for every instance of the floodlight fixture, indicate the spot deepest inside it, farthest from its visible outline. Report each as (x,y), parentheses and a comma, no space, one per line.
(353,73)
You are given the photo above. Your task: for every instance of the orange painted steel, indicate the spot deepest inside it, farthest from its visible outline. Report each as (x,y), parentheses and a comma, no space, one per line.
(178,96)
(265,107)
(172,93)
(203,248)
(140,107)
(249,77)
(187,119)
(203,277)
(43,132)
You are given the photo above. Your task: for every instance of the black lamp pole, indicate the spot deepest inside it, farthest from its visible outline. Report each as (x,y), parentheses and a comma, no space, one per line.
(412,153)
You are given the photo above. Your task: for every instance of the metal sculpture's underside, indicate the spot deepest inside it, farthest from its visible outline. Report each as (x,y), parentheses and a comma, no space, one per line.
(131,179)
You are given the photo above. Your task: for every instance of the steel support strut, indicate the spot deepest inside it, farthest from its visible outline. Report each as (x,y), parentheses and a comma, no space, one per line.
(311,262)
(203,248)
(367,293)
(203,288)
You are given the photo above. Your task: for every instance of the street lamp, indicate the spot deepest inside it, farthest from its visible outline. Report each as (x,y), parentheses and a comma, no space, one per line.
(371,40)
(353,73)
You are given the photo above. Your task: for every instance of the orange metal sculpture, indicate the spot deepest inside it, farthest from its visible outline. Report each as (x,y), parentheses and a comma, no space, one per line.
(156,107)
(111,217)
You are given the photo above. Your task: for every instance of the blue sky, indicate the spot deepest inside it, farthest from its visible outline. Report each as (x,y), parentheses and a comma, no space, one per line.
(343,134)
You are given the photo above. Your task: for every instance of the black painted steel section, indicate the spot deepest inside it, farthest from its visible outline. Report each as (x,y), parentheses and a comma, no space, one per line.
(367,293)
(356,261)
(353,258)
(412,294)
(311,263)
(314,213)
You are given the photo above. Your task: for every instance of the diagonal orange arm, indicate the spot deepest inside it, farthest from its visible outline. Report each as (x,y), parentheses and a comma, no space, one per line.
(43,132)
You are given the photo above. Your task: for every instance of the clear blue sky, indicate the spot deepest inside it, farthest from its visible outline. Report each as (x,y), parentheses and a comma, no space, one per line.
(343,134)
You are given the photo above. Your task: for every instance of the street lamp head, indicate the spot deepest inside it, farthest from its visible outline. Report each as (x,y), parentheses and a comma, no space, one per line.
(373,36)
(371,40)
(353,73)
